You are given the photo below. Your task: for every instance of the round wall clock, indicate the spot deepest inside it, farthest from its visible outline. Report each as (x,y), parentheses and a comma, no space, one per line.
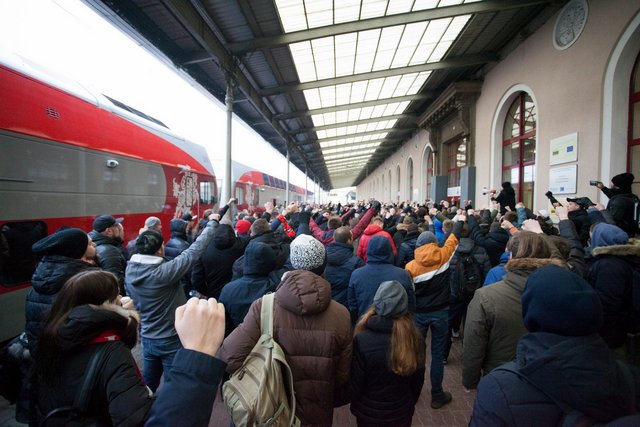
(570,23)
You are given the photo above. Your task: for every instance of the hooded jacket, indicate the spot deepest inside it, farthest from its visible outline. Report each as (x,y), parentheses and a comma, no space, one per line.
(214,269)
(369,232)
(622,206)
(120,395)
(407,248)
(154,284)
(178,242)
(51,274)
(430,272)
(281,250)
(315,333)
(238,295)
(494,242)
(380,396)
(341,262)
(612,271)
(494,321)
(580,372)
(110,255)
(365,281)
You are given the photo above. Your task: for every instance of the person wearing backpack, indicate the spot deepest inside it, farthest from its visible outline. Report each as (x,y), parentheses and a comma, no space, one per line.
(563,373)
(388,366)
(468,268)
(313,330)
(614,273)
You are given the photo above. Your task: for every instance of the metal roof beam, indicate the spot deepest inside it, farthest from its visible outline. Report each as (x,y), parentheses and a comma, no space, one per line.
(343,107)
(372,132)
(458,62)
(411,117)
(380,22)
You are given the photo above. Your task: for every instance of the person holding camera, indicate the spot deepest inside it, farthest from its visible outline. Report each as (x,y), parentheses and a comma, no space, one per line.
(506,197)
(623,204)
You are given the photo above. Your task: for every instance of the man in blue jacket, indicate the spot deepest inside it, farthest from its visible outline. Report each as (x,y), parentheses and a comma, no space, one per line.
(341,263)
(365,281)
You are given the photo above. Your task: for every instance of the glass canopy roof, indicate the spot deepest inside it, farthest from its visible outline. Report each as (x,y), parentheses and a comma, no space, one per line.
(347,147)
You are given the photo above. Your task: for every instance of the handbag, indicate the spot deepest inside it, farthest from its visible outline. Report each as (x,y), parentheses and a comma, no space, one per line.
(76,414)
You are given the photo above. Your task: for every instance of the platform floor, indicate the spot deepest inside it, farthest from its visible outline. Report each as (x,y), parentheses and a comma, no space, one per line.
(456,414)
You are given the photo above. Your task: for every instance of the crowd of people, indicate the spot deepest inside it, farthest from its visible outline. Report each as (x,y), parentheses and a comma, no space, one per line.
(548,313)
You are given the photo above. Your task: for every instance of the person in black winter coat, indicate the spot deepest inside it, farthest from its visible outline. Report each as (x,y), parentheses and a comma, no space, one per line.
(178,243)
(612,270)
(261,232)
(494,242)
(388,365)
(86,317)
(341,262)
(257,280)
(214,269)
(563,370)
(108,235)
(64,253)
(407,246)
(622,202)
(506,197)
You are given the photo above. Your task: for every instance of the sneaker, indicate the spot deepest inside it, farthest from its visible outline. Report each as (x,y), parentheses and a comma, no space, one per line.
(440,400)
(455,333)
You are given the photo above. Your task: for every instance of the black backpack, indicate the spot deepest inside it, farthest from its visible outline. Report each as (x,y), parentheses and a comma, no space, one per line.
(469,275)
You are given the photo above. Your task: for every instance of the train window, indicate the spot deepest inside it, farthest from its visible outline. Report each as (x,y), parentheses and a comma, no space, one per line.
(206,193)
(240,194)
(17,262)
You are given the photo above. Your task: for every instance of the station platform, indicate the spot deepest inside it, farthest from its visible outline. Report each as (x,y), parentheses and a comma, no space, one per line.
(455,414)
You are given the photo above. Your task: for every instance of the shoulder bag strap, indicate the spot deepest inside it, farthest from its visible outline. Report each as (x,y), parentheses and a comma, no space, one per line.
(83,395)
(266,314)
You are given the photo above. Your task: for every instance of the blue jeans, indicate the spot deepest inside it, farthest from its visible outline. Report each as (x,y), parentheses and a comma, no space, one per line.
(158,357)
(438,321)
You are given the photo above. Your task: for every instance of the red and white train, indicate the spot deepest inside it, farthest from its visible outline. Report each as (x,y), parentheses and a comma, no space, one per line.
(68,155)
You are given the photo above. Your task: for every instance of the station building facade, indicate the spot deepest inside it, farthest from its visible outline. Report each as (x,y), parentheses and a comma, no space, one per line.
(560,109)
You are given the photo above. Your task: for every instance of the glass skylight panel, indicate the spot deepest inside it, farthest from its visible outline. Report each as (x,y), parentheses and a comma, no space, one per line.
(313,98)
(399,6)
(449,3)
(347,11)
(319,13)
(425,4)
(292,15)
(417,84)
(387,46)
(358,90)
(338,156)
(328,96)
(366,52)
(388,87)
(302,54)
(373,8)
(323,54)
(346,53)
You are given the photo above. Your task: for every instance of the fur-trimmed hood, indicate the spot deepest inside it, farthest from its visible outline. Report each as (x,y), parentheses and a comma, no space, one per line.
(530,264)
(86,322)
(630,249)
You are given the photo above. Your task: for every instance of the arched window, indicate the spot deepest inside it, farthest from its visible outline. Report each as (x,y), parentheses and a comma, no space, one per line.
(410,178)
(427,172)
(633,154)
(390,185)
(519,147)
(457,158)
(398,186)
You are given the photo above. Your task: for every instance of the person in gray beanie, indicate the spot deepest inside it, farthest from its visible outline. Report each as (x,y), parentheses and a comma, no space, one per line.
(563,369)
(388,365)
(307,253)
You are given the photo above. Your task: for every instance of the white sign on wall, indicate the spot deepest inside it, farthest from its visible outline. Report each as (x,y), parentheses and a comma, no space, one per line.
(563,180)
(564,149)
(453,191)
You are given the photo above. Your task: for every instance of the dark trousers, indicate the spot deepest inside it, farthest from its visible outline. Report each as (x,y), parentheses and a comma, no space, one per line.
(457,311)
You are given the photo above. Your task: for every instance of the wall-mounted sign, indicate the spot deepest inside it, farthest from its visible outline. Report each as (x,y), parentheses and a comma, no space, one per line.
(564,149)
(563,180)
(453,191)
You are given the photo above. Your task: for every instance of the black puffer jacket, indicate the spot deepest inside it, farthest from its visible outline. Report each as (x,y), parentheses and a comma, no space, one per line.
(51,274)
(178,242)
(281,250)
(120,395)
(214,268)
(493,242)
(378,395)
(340,264)
(580,372)
(622,206)
(111,257)
(406,249)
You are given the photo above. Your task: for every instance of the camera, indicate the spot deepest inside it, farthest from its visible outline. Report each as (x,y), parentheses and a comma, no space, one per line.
(552,199)
(594,182)
(112,163)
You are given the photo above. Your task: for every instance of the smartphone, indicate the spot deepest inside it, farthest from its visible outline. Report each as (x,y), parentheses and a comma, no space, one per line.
(593,182)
